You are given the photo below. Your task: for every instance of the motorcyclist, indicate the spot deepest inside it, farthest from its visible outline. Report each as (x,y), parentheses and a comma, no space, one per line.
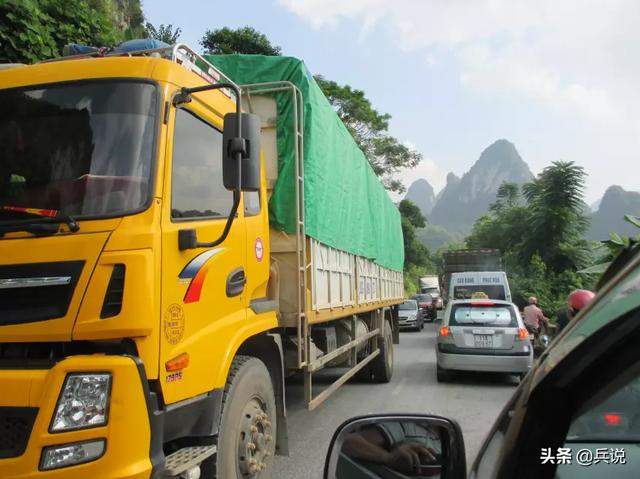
(576,301)
(534,318)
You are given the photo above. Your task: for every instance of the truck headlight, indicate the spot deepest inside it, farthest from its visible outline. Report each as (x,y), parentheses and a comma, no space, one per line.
(54,457)
(83,402)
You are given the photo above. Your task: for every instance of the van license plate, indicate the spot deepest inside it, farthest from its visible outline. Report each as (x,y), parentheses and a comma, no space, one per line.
(483,341)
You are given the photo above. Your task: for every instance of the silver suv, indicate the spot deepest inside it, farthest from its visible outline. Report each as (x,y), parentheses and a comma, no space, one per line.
(483,335)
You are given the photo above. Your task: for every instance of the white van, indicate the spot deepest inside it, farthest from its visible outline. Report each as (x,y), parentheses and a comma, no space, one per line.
(430,284)
(493,283)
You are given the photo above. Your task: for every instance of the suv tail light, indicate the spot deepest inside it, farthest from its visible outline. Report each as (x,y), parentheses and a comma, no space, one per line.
(444,331)
(523,334)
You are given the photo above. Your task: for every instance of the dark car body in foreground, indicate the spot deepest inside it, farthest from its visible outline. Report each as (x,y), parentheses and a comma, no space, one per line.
(581,400)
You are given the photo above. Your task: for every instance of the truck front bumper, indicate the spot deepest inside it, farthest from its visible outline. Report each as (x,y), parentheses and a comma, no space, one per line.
(127,434)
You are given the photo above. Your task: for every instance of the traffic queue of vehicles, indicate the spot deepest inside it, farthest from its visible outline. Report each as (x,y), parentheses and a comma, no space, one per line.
(574,415)
(481,330)
(163,265)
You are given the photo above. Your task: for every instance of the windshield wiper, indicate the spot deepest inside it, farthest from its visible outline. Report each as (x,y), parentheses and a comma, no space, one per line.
(40,226)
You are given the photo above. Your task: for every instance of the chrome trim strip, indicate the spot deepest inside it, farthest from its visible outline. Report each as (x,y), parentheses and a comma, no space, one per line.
(11,283)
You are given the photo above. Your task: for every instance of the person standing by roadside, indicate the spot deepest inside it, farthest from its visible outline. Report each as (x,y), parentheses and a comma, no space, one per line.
(533,316)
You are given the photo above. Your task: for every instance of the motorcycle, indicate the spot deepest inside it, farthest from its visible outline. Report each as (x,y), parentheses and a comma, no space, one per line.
(540,339)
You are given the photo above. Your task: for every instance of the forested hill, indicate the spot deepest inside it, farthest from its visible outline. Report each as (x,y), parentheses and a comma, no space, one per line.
(464,199)
(609,217)
(420,193)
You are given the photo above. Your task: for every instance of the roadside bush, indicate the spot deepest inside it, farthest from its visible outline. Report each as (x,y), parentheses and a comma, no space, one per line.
(31,30)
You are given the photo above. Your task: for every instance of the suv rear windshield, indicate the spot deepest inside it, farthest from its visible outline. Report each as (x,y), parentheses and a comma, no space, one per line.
(493,291)
(83,149)
(476,315)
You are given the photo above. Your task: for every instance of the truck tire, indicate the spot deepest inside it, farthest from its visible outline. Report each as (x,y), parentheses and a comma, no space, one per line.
(246,437)
(382,365)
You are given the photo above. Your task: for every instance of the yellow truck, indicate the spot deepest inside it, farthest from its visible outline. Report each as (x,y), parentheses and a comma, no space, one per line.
(168,258)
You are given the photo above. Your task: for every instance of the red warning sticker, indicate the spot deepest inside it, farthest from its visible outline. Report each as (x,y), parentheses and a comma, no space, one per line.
(259,249)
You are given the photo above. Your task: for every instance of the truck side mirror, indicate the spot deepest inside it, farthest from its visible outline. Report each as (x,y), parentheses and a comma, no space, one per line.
(251,158)
(386,446)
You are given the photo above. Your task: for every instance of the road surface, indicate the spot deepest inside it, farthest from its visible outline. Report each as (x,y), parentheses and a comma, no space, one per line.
(473,400)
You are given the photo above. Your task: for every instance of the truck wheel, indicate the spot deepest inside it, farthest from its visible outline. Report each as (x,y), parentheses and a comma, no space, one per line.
(382,365)
(246,438)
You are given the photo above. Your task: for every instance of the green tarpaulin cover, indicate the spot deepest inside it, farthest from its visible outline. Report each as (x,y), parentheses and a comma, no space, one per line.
(346,206)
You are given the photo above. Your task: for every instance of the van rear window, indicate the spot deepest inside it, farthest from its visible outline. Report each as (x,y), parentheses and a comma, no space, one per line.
(493,291)
(467,315)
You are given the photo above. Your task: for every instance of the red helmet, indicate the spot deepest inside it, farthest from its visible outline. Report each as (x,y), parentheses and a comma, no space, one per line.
(579,299)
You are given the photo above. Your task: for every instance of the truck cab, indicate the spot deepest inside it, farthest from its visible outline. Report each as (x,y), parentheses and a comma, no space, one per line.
(149,310)
(116,335)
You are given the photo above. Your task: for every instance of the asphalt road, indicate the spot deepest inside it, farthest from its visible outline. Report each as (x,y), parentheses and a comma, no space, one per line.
(473,400)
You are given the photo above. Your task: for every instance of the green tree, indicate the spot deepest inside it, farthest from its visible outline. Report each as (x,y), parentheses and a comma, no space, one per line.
(412,213)
(556,217)
(241,40)
(31,30)
(616,243)
(508,196)
(125,15)
(417,261)
(25,36)
(163,33)
(540,234)
(369,129)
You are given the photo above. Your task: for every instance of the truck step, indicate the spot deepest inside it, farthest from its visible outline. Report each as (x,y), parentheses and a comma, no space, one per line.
(184,459)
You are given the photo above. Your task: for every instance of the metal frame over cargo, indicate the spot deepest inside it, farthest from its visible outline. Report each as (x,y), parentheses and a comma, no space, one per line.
(318,283)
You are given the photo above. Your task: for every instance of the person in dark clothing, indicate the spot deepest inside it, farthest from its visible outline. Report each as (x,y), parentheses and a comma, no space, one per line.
(562,319)
(575,303)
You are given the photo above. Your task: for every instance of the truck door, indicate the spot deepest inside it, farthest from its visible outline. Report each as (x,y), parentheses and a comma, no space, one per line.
(203,289)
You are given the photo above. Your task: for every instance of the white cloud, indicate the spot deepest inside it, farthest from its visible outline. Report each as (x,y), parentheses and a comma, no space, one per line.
(575,58)
(572,54)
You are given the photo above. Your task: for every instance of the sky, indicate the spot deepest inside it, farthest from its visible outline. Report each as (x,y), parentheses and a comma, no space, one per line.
(559,79)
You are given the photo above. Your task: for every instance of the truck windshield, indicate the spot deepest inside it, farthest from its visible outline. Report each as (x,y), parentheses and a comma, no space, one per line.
(81,149)
(493,291)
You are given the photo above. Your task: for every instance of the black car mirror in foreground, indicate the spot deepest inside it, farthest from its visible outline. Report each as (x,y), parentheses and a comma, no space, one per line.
(396,447)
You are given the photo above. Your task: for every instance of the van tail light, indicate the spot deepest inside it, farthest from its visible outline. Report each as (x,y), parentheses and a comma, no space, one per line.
(444,331)
(523,334)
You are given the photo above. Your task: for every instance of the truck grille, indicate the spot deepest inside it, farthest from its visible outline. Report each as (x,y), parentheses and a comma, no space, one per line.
(37,291)
(15,429)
